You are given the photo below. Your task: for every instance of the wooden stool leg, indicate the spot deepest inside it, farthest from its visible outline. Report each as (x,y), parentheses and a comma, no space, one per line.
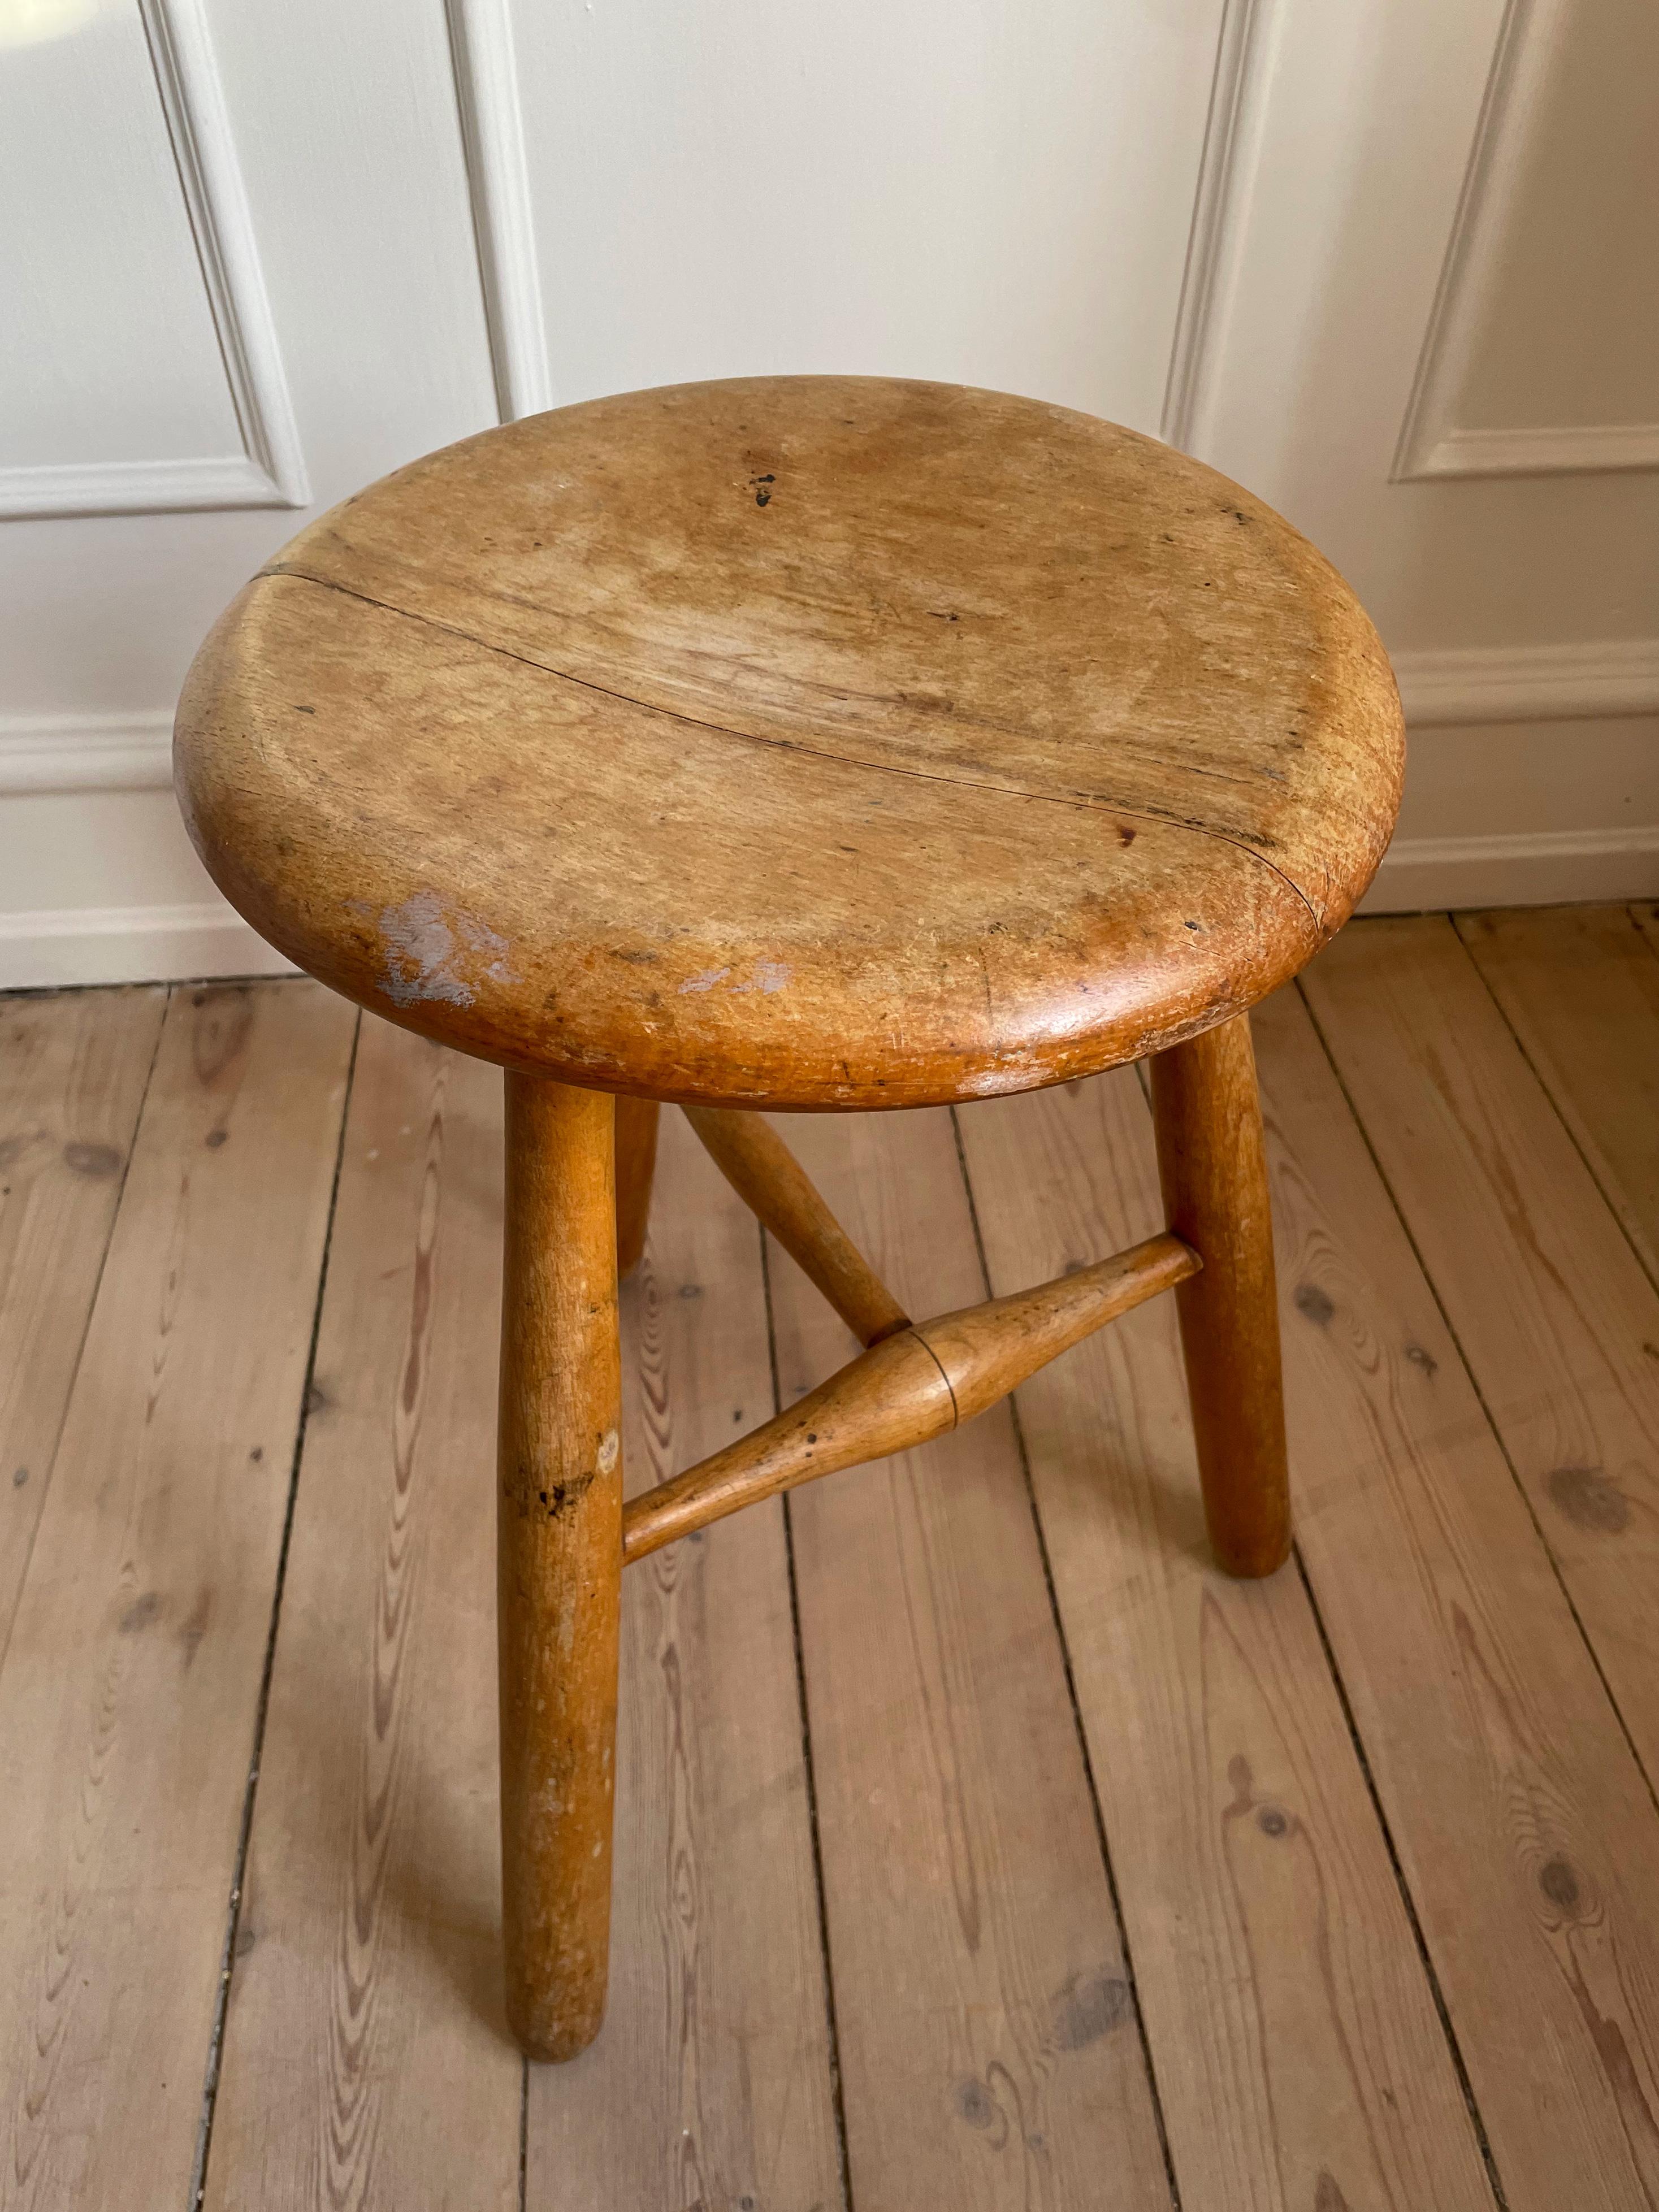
(1213,1170)
(636,1166)
(559,1546)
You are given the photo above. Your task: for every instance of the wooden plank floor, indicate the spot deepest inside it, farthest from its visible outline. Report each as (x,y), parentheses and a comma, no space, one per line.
(979,1845)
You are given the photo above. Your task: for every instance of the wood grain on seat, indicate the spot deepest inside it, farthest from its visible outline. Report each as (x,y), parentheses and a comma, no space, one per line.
(814,742)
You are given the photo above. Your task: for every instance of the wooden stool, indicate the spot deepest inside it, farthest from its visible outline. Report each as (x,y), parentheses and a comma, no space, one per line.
(805,744)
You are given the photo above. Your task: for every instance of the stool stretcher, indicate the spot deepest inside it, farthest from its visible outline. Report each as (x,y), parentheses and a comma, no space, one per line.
(912,1386)
(776,1188)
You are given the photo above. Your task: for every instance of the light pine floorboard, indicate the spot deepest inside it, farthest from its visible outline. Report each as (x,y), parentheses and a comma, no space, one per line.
(1579,986)
(990,2050)
(1293,2027)
(1527,1838)
(130,1687)
(711,2083)
(1383,1848)
(366,2061)
(1553,1312)
(73,1068)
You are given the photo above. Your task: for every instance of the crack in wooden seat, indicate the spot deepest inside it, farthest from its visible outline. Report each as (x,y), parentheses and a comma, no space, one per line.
(801,743)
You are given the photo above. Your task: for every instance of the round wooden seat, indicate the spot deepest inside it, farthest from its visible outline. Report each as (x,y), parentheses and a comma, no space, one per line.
(810,742)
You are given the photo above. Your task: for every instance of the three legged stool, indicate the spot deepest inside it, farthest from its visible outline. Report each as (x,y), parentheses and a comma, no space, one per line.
(810,743)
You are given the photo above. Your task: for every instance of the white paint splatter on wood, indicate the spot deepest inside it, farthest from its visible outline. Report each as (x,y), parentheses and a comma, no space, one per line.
(769,976)
(426,952)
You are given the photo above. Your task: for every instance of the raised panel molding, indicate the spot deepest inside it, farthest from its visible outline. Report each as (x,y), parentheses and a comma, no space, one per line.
(503,215)
(1431,443)
(1583,450)
(269,471)
(1231,133)
(85,752)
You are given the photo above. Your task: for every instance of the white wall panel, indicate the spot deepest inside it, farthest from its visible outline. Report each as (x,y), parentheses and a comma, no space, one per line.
(1542,353)
(977,190)
(342,125)
(108,351)
(1364,121)
(1358,174)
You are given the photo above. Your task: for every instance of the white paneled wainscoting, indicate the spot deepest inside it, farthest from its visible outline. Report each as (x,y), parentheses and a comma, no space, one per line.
(98,883)
(1533,778)
(1384,264)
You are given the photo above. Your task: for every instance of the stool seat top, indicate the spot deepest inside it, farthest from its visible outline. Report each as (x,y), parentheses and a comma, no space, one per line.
(797,741)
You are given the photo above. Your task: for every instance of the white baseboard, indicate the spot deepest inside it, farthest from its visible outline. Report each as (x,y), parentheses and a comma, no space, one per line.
(1529,682)
(1570,450)
(130,945)
(56,764)
(1425,875)
(163,944)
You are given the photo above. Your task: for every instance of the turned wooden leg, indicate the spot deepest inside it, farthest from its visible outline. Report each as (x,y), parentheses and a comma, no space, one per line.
(772,1183)
(1213,1170)
(636,1166)
(559,1544)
